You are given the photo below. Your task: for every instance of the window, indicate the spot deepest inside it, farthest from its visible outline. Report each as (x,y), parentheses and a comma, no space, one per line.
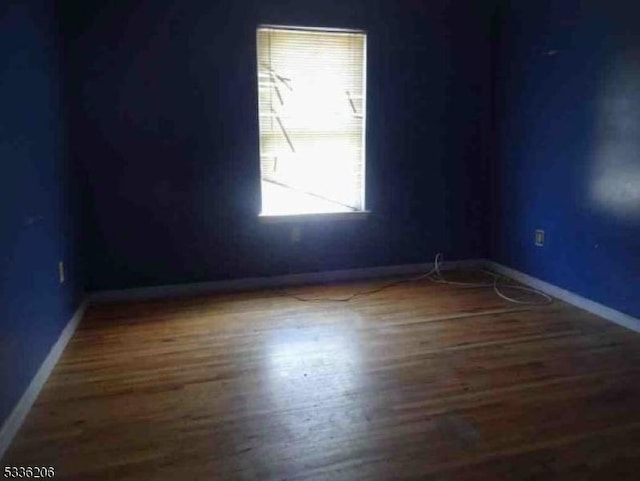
(311,99)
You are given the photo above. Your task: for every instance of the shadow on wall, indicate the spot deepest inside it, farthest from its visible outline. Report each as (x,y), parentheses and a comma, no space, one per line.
(615,176)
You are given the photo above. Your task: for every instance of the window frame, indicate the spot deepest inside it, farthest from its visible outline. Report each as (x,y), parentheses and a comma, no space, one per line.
(363,212)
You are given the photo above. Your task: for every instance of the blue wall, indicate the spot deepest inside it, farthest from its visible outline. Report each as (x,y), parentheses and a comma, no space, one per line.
(37,221)
(568,91)
(166,131)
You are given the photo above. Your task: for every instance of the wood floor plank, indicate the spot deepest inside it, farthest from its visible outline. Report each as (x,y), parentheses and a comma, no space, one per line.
(419,381)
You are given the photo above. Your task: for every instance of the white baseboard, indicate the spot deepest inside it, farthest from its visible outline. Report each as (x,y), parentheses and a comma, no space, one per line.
(177,290)
(20,411)
(607,313)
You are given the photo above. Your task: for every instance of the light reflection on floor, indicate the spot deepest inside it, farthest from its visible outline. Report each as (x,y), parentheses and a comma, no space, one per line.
(313,376)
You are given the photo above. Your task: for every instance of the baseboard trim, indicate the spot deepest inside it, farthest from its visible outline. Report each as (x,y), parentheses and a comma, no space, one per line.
(16,418)
(252,283)
(593,307)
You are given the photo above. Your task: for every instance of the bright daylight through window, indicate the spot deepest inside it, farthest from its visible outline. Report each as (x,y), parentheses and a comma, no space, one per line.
(311,87)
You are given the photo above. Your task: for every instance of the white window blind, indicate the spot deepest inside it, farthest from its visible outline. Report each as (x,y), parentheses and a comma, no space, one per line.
(312,115)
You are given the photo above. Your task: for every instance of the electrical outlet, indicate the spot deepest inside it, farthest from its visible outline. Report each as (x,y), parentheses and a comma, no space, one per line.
(61,272)
(539,238)
(296,235)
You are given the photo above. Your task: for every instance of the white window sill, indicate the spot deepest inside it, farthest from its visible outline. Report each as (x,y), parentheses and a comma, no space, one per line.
(315,217)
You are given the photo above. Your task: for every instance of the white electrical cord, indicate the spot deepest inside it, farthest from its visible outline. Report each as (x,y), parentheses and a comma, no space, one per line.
(547,299)
(435,275)
(362,293)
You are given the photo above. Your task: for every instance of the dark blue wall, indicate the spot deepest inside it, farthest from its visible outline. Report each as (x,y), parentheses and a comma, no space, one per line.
(166,130)
(569,146)
(37,221)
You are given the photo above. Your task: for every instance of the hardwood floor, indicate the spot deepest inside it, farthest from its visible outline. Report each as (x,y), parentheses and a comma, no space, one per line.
(421,381)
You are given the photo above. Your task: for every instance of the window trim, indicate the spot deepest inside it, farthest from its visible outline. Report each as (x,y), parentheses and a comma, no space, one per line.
(313,29)
(356,215)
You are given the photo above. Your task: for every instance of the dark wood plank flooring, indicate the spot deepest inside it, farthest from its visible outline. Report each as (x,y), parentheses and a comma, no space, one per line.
(420,381)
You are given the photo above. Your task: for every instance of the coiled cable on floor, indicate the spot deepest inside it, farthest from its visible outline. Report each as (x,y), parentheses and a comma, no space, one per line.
(435,275)
(495,285)
(362,293)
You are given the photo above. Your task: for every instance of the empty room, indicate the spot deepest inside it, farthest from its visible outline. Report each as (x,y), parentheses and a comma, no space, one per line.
(320,239)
